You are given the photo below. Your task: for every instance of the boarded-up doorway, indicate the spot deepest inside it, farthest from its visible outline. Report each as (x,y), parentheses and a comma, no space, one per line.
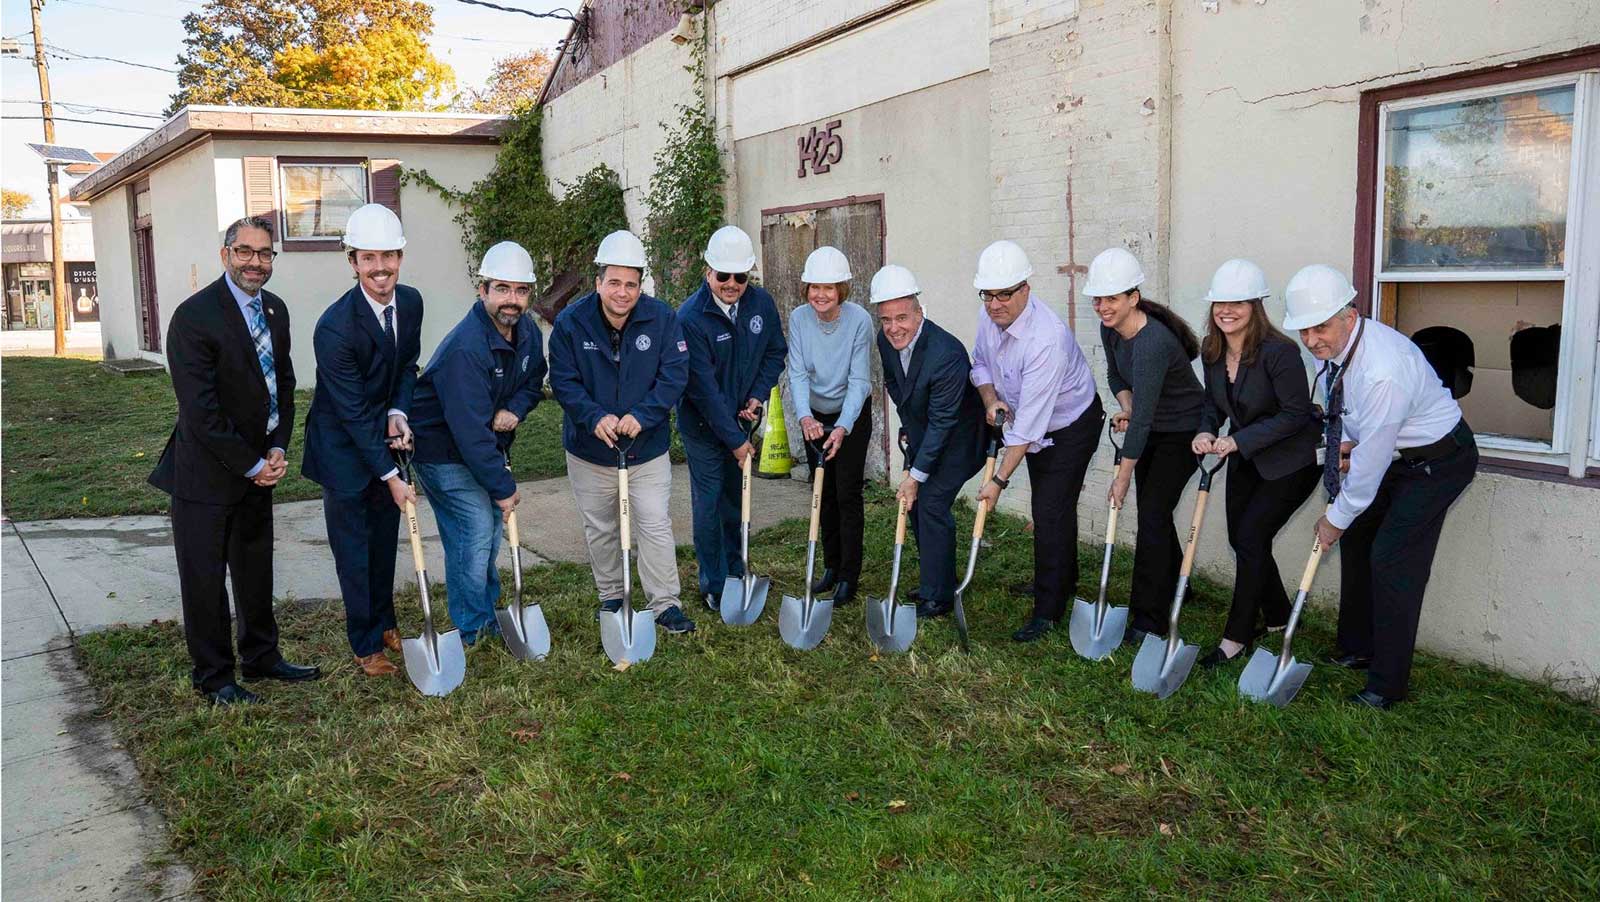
(854,225)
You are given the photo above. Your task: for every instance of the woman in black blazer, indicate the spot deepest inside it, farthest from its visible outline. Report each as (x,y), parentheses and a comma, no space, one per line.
(1255,381)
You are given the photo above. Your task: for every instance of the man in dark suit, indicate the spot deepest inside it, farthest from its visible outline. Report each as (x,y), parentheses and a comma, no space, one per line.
(925,372)
(228,352)
(367,344)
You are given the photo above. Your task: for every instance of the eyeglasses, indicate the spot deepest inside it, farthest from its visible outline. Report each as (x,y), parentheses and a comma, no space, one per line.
(502,290)
(245,254)
(1003,295)
(738,277)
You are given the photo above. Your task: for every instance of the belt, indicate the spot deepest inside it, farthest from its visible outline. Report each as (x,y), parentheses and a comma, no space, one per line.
(1458,437)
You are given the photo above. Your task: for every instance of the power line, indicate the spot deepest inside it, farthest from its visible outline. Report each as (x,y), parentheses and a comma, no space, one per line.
(123,9)
(63,53)
(143,128)
(559,13)
(89,108)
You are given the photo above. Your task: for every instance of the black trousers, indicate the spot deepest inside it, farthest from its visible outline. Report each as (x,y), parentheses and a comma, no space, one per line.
(364,534)
(1386,557)
(843,520)
(1257,509)
(933,528)
(1055,475)
(1160,476)
(213,541)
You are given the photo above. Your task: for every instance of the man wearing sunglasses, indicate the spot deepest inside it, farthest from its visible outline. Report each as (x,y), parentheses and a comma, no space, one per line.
(484,379)
(736,353)
(228,352)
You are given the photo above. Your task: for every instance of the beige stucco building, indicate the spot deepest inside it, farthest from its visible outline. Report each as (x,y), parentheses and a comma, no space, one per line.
(1191,131)
(160,208)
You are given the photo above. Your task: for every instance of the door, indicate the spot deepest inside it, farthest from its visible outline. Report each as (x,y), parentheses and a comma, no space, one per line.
(149,311)
(854,225)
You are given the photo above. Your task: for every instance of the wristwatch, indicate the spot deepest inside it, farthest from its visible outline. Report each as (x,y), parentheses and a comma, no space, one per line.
(1002,483)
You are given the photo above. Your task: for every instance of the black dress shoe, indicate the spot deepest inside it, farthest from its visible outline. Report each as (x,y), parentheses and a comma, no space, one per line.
(1373,700)
(935,608)
(824,583)
(1133,635)
(609,606)
(1215,658)
(1035,628)
(283,670)
(233,694)
(1350,661)
(713,602)
(844,592)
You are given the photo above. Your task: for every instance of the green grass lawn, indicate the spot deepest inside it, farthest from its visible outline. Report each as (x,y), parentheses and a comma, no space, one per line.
(731,766)
(77,441)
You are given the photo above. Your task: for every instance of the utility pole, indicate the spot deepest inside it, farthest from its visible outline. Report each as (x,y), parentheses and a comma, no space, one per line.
(58,280)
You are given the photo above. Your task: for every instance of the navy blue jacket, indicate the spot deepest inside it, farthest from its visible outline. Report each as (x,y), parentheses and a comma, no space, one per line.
(474,373)
(728,363)
(589,383)
(361,375)
(940,409)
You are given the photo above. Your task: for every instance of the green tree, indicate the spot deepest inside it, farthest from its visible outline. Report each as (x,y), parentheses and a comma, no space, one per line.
(13,203)
(339,54)
(513,85)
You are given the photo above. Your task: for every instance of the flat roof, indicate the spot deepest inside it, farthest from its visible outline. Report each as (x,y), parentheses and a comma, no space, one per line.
(193,123)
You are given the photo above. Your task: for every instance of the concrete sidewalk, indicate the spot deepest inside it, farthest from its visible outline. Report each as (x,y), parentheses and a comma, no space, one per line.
(76,823)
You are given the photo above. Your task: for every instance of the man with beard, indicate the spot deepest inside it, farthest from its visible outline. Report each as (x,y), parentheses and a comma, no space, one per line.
(228,351)
(484,379)
(367,343)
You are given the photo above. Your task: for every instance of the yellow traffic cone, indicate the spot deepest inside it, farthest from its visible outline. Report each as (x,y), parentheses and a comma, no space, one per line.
(775,459)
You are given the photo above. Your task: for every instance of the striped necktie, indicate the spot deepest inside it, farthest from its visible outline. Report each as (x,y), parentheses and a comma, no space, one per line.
(262,336)
(1333,430)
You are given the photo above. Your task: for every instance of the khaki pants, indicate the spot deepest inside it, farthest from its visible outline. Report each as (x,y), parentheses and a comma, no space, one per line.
(655,560)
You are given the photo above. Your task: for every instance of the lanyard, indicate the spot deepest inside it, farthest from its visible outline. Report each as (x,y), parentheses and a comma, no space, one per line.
(1338,380)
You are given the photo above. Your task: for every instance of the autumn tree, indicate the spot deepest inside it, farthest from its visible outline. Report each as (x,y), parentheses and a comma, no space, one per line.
(337,54)
(513,85)
(14,202)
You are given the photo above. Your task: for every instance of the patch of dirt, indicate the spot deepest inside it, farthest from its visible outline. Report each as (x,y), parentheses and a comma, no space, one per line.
(1124,815)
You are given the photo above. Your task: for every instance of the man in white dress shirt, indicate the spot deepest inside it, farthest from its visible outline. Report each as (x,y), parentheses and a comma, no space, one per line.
(1410,456)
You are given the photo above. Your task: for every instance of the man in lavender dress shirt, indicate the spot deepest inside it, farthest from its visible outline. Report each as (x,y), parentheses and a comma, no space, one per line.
(1027,363)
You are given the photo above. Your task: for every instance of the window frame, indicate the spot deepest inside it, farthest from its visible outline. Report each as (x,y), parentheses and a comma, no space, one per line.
(319,243)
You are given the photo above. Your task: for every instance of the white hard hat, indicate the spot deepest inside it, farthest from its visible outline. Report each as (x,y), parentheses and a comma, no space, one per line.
(892,283)
(1113,271)
(730,250)
(1002,265)
(1314,295)
(621,248)
(825,266)
(1238,280)
(508,262)
(374,227)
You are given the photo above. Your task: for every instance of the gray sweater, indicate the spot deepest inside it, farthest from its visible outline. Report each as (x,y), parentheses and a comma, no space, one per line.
(1167,396)
(830,373)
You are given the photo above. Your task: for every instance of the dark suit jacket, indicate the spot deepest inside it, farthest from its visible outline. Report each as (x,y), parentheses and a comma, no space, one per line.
(1270,411)
(939,407)
(223,404)
(361,375)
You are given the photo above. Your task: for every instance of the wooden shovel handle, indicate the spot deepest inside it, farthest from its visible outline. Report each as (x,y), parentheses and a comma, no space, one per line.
(816,503)
(1194,532)
(744,489)
(900,524)
(983,507)
(416,536)
(622,508)
(1111,526)
(511,527)
(1310,573)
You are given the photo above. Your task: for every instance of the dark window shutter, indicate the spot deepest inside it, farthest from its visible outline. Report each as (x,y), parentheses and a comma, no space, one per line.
(386,184)
(260,191)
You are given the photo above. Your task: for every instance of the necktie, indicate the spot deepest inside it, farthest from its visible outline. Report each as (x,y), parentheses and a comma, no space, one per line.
(388,323)
(1333,430)
(262,336)
(733,313)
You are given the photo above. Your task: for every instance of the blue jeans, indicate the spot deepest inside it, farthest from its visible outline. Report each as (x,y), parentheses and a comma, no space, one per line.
(714,491)
(469,526)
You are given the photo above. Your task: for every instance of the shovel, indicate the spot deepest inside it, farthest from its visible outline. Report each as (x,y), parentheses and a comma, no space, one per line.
(995,446)
(1275,678)
(436,662)
(1096,629)
(804,621)
(891,626)
(743,597)
(1163,664)
(522,628)
(628,636)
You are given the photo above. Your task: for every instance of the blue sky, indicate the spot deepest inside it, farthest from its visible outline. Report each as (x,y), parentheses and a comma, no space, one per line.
(467,37)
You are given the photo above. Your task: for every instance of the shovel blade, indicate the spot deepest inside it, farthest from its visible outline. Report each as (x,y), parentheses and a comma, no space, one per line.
(432,675)
(891,627)
(741,610)
(1262,681)
(1153,672)
(1091,643)
(961,624)
(620,643)
(524,631)
(800,632)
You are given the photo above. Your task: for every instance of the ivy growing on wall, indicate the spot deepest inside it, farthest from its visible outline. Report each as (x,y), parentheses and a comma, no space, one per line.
(514,203)
(685,199)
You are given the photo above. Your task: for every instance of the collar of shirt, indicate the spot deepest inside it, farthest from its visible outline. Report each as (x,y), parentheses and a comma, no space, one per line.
(244,300)
(1344,353)
(905,355)
(377,308)
(727,309)
(1019,327)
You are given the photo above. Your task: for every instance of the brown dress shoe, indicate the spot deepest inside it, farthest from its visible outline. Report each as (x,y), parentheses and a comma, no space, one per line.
(376,664)
(391,640)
